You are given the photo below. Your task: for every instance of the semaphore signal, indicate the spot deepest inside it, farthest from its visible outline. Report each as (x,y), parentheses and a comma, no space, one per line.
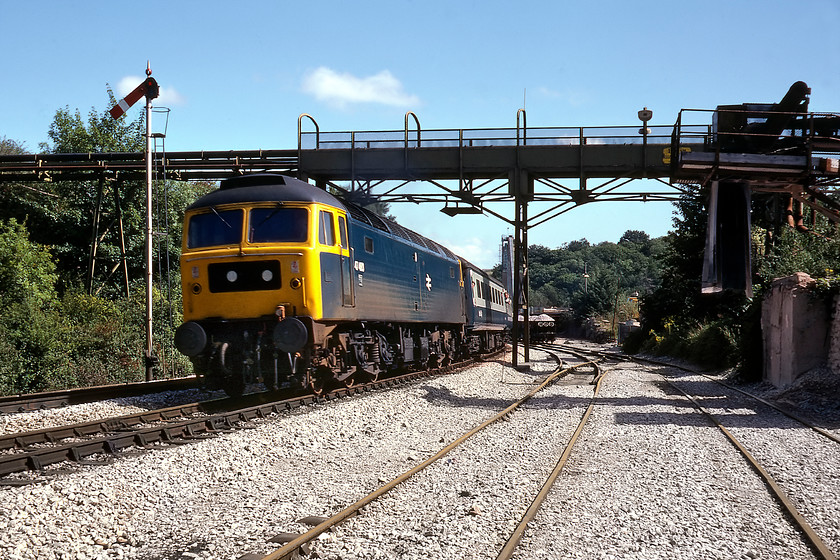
(148,88)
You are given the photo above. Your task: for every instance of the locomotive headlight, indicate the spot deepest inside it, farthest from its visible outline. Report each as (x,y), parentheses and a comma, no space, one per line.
(231,276)
(267,275)
(296,283)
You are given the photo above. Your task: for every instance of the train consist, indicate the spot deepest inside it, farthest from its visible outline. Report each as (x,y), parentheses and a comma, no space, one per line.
(287,285)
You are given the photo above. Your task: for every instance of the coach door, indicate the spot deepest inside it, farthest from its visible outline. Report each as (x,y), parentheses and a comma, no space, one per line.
(346,263)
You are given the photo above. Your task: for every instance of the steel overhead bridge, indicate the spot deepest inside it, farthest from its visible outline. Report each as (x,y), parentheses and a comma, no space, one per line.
(469,169)
(774,148)
(484,166)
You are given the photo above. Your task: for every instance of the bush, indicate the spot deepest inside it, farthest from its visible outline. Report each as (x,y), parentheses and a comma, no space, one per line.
(634,341)
(713,346)
(34,354)
(80,340)
(710,345)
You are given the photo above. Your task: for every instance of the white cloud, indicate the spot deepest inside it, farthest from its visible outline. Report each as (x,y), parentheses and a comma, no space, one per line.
(167,95)
(478,251)
(341,89)
(571,96)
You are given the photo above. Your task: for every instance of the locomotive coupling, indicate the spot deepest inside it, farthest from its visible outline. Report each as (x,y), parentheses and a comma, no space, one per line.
(190,339)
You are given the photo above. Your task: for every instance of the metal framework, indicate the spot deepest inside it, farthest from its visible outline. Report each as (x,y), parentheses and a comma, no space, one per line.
(496,171)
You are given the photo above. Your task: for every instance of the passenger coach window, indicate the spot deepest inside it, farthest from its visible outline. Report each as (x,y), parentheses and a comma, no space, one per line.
(326,229)
(215,228)
(278,225)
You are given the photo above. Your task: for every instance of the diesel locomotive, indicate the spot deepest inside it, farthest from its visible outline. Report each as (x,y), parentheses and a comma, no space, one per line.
(285,284)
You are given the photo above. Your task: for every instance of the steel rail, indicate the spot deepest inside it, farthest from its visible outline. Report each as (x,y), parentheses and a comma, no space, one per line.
(777,408)
(799,520)
(65,397)
(292,547)
(813,539)
(133,429)
(513,541)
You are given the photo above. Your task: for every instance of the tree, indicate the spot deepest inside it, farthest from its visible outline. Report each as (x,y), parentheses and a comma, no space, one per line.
(589,277)
(10,147)
(636,239)
(26,268)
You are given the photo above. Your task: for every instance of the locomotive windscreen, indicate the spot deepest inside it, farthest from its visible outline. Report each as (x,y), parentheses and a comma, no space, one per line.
(278,225)
(214,229)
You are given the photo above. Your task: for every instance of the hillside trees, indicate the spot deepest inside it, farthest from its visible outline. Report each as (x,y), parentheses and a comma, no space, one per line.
(592,278)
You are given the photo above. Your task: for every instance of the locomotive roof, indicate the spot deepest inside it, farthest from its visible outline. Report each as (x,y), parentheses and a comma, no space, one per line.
(271,187)
(264,187)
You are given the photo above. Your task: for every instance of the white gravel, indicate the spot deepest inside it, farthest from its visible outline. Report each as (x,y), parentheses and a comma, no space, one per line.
(623,495)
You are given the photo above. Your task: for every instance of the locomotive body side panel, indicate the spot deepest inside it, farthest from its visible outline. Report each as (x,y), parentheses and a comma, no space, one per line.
(397,281)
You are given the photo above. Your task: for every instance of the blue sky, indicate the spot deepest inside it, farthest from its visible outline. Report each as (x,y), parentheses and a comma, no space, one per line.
(236,75)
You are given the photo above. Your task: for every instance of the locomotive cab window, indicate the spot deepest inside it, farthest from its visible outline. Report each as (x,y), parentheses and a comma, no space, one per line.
(368,245)
(342,231)
(326,228)
(214,228)
(278,225)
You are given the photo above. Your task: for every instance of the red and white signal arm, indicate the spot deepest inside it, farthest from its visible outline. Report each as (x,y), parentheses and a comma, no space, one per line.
(149,88)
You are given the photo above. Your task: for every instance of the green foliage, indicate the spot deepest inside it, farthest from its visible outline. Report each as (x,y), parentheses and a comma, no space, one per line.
(10,147)
(26,268)
(816,253)
(711,345)
(80,340)
(53,332)
(724,330)
(595,279)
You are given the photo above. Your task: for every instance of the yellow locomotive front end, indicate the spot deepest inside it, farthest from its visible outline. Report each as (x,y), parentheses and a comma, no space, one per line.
(248,261)
(250,269)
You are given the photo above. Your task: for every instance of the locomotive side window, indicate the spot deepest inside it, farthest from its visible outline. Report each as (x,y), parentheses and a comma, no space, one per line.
(214,228)
(368,245)
(273,225)
(342,231)
(326,229)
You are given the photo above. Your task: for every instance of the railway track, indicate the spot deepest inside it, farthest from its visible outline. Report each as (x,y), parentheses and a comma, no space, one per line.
(67,397)
(35,450)
(648,477)
(293,545)
(737,398)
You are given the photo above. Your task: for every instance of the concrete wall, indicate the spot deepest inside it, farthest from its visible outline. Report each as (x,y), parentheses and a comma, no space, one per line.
(834,338)
(797,330)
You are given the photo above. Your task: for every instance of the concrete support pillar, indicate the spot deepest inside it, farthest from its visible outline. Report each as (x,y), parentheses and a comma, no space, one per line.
(834,339)
(795,327)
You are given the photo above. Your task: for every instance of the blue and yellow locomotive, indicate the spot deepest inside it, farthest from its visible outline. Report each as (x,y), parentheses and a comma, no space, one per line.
(285,284)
